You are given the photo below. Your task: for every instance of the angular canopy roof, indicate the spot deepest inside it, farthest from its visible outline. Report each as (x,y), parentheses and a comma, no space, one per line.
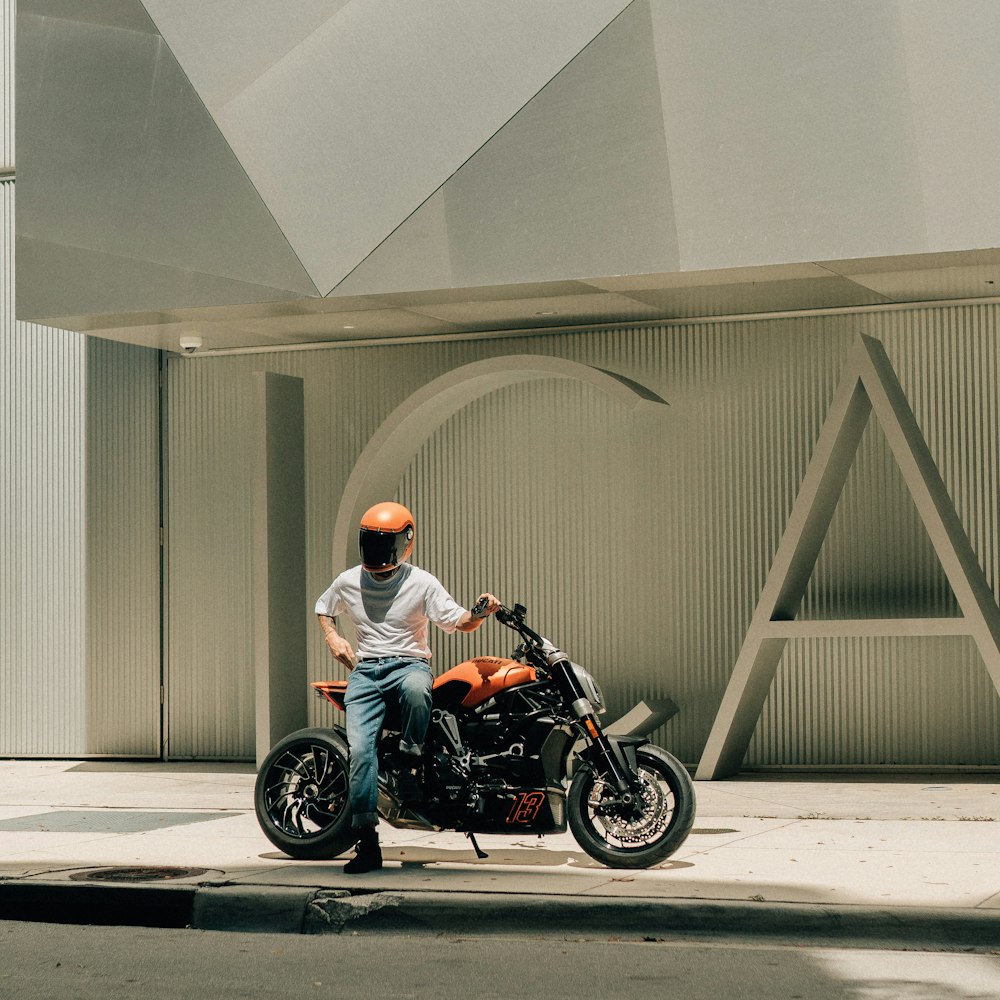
(261,173)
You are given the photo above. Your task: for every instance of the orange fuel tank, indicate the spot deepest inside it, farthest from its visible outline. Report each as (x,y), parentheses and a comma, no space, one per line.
(472,682)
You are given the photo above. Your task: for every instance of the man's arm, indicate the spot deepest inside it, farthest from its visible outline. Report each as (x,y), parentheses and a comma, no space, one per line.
(337,644)
(471,622)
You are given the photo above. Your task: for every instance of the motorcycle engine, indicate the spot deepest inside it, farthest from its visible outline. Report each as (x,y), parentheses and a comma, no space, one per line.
(485,766)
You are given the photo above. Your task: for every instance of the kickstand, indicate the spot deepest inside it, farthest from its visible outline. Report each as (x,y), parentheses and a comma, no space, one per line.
(480,853)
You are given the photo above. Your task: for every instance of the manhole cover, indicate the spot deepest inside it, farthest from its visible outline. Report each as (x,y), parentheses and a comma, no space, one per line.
(144,874)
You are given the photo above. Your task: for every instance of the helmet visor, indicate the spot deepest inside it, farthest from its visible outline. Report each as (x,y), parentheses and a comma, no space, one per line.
(383,549)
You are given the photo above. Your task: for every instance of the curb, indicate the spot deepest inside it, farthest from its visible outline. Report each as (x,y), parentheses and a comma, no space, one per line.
(499,913)
(299,910)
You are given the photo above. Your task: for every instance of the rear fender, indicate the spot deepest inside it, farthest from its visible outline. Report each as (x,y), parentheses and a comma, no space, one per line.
(332,691)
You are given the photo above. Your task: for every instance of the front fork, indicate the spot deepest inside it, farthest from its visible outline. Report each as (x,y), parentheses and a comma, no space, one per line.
(613,757)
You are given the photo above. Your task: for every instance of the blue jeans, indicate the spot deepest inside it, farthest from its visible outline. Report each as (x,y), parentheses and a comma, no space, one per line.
(372,686)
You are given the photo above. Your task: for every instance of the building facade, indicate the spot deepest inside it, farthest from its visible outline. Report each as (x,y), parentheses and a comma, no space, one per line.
(639,540)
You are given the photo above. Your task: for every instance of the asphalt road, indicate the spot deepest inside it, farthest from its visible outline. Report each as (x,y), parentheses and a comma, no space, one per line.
(109,963)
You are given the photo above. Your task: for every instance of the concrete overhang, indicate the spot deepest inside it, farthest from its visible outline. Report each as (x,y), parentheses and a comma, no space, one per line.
(340,171)
(779,289)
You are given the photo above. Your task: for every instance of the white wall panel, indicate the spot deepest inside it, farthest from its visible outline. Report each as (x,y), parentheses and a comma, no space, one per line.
(42,529)
(123,550)
(208,499)
(639,543)
(42,619)
(7,34)
(79,545)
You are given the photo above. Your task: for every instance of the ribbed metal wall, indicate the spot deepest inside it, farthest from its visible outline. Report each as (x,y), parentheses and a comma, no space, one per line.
(209,692)
(123,550)
(8,10)
(903,700)
(79,539)
(42,529)
(639,543)
(7,258)
(42,663)
(521,494)
(42,620)
(79,522)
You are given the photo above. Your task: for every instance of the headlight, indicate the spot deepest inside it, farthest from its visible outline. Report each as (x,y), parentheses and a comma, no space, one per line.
(590,688)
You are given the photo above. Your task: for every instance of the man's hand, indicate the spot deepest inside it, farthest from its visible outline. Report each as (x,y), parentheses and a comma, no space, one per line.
(337,644)
(470,622)
(491,606)
(341,650)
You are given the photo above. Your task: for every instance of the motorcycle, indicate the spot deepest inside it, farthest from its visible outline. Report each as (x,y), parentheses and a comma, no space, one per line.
(514,746)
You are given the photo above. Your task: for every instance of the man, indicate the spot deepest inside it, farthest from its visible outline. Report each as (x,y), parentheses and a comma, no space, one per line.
(390,603)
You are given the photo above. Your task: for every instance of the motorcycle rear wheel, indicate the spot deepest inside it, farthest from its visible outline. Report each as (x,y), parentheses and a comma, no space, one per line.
(621,841)
(300,795)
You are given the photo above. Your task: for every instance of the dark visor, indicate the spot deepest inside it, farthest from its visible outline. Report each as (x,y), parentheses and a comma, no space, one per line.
(381,548)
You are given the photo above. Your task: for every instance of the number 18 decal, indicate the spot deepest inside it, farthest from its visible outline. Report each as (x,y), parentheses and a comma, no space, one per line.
(526,807)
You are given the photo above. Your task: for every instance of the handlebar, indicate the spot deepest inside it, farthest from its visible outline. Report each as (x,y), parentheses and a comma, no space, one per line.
(513,618)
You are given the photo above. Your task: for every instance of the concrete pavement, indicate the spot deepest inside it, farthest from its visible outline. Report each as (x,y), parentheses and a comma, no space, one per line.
(913,857)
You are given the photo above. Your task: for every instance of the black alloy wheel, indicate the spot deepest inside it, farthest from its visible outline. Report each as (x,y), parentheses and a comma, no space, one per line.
(301,795)
(642,836)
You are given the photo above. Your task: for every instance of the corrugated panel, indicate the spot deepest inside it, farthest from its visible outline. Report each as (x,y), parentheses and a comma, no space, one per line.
(7,256)
(79,523)
(79,546)
(902,701)
(42,529)
(123,550)
(522,494)
(7,37)
(640,544)
(210,700)
(879,702)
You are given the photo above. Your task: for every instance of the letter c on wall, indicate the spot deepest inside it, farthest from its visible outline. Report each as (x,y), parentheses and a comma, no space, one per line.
(383,463)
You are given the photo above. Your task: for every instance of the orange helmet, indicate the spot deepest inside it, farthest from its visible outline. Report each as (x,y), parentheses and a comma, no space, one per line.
(386,537)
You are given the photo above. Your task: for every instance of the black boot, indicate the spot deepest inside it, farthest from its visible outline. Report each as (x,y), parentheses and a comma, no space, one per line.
(369,855)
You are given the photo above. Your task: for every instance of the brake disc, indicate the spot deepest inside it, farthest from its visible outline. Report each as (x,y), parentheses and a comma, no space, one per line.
(649,824)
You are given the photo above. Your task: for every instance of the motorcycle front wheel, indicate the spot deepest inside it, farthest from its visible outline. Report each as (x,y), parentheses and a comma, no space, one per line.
(301,795)
(642,838)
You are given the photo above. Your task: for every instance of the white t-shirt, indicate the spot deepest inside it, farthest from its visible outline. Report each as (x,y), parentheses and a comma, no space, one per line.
(391,616)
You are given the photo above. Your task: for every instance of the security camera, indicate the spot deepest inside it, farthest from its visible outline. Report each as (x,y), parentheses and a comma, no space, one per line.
(190,344)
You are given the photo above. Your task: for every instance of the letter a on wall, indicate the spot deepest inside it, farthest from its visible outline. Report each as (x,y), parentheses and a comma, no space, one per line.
(869,384)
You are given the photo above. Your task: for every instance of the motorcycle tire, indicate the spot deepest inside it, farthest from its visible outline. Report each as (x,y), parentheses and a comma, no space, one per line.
(620,841)
(301,795)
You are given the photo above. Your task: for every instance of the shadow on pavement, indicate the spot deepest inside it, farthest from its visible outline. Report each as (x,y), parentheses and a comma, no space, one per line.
(161,767)
(416,856)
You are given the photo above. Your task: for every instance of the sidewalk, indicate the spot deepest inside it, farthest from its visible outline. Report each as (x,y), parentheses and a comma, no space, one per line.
(913,857)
